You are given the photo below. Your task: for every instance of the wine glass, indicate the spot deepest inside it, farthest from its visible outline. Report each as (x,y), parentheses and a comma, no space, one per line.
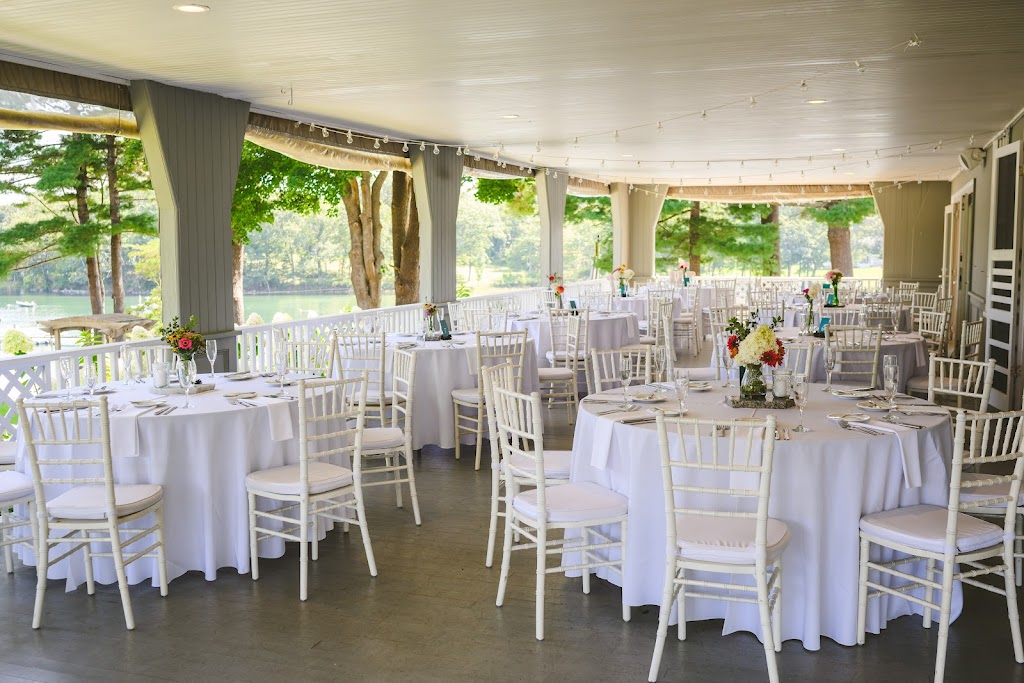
(682,387)
(187,378)
(891,376)
(830,365)
(281,365)
(800,390)
(727,360)
(90,379)
(894,315)
(625,375)
(659,363)
(128,361)
(211,355)
(65,374)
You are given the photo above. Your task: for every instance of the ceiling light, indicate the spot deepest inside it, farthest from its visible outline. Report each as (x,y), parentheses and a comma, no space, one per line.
(627,155)
(190,8)
(817,100)
(838,149)
(510,116)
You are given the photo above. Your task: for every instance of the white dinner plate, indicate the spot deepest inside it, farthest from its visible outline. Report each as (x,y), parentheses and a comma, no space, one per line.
(849,417)
(853,393)
(286,383)
(240,394)
(98,392)
(647,398)
(149,402)
(238,376)
(700,386)
(873,406)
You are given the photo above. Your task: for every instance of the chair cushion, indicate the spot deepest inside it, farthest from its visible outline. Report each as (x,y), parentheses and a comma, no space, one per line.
(556,464)
(377,438)
(466,395)
(726,539)
(553,374)
(924,527)
(90,502)
(15,485)
(8,449)
(684,319)
(573,503)
(323,476)
(977,493)
(373,396)
(561,356)
(918,384)
(650,341)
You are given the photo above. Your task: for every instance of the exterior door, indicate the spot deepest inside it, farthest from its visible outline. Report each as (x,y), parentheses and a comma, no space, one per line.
(1002,302)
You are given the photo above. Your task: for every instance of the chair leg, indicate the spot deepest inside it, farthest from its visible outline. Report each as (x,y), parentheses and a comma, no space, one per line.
(680,597)
(492,527)
(412,485)
(303,549)
(8,556)
(668,596)
(314,532)
(766,624)
(458,445)
(585,560)
(1018,548)
(777,611)
(479,435)
(161,555)
(929,572)
(365,533)
(394,461)
(1011,606)
(944,611)
(542,557)
(254,558)
(506,549)
(42,564)
(862,591)
(90,584)
(122,577)
(626,615)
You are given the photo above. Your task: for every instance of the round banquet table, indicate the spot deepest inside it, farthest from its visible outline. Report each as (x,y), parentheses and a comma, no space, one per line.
(605,331)
(823,482)
(638,306)
(201,457)
(796,314)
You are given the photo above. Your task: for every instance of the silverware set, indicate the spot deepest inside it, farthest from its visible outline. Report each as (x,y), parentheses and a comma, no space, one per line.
(166,410)
(242,402)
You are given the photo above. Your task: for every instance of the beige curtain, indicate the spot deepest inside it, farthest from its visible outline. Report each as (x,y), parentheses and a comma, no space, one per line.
(764,194)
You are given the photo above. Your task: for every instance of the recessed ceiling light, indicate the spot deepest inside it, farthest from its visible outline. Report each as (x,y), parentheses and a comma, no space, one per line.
(627,155)
(817,101)
(838,149)
(510,116)
(191,8)
(847,172)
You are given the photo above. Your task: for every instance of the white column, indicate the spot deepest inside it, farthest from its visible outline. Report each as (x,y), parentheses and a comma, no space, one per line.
(437,179)
(551,193)
(193,145)
(634,218)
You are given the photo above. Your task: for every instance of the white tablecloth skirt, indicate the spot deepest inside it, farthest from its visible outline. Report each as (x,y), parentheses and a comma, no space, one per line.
(605,332)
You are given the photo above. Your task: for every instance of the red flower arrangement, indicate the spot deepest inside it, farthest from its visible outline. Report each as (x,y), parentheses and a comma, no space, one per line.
(774,358)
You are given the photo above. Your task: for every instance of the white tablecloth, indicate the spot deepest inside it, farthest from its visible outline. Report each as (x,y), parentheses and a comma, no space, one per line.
(823,483)
(612,331)
(796,314)
(201,457)
(638,306)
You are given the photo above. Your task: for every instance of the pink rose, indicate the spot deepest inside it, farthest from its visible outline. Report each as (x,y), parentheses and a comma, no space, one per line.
(185,343)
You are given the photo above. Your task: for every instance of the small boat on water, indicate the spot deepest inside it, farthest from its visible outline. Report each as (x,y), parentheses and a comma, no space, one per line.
(25,304)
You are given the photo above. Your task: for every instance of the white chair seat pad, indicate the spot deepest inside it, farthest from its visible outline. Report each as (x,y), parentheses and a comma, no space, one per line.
(726,539)
(90,502)
(466,395)
(684,319)
(556,464)
(15,485)
(552,374)
(323,476)
(924,527)
(573,503)
(979,493)
(373,397)
(8,450)
(650,341)
(380,438)
(561,356)
(918,383)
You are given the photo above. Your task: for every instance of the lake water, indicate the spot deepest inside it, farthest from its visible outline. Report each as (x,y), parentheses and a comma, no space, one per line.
(49,306)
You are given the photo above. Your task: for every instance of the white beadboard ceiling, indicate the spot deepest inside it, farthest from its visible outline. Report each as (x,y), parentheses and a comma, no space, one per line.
(447,71)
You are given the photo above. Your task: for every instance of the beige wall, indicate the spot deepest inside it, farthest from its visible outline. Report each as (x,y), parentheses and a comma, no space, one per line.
(913,218)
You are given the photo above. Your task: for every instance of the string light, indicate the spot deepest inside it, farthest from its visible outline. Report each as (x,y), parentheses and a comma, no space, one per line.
(437,150)
(458,151)
(405,146)
(703,114)
(753,102)
(803,85)
(348,137)
(576,142)
(326,134)
(556,174)
(566,161)
(385,139)
(971,141)
(376,143)
(860,67)
(616,138)
(312,128)
(423,146)
(914,42)
(937,147)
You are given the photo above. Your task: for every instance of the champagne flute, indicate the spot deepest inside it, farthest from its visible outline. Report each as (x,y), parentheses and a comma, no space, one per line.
(682,387)
(211,355)
(128,361)
(892,379)
(281,366)
(727,360)
(800,390)
(894,315)
(187,377)
(830,365)
(90,379)
(65,374)
(659,362)
(625,375)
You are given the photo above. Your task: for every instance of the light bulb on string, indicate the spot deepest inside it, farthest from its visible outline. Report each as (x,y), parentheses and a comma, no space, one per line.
(537,150)
(556,174)
(899,186)
(867,162)
(298,123)
(909,150)
(566,161)
(423,146)
(312,128)
(970,141)
(348,137)
(660,127)
(386,139)
(325,133)
(547,171)
(638,163)
(703,114)
(860,67)
(437,150)
(576,142)
(776,162)
(376,143)
(616,138)
(707,165)
(913,42)
(753,102)
(834,170)
(770,177)
(801,174)
(937,147)
(476,157)
(739,180)
(705,192)
(405,146)
(876,153)
(531,158)
(849,187)
(803,85)
(458,151)
(672,164)
(742,163)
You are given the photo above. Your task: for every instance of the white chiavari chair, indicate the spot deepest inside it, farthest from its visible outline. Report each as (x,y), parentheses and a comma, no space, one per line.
(687,325)
(857,351)
(595,301)
(331,423)
(550,300)
(557,464)
(559,384)
(945,305)
(359,355)
(880,313)
(844,317)
(948,534)
(469,404)
(767,312)
(15,489)
(713,525)
(798,357)
(971,334)
(534,514)
(655,320)
(387,451)
(457,316)
(315,357)
(605,366)
(955,384)
(487,320)
(95,510)
(923,301)
(932,328)
(906,291)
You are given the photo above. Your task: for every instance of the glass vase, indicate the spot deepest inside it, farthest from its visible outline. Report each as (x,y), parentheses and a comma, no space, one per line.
(622,288)
(809,325)
(753,387)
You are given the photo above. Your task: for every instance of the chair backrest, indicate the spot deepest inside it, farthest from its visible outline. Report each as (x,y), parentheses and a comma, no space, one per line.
(403,389)
(74,436)
(944,305)
(331,418)
(487,319)
(595,301)
(971,334)
(362,354)
(655,315)
(664,333)
(698,471)
(963,380)
(932,327)
(576,339)
(769,311)
(925,301)
(846,317)
(316,357)
(857,350)
(982,441)
(496,348)
(798,357)
(558,328)
(500,376)
(605,366)
(881,313)
(550,300)
(457,316)
(520,428)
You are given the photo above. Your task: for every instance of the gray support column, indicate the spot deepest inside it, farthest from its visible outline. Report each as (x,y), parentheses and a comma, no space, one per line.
(437,179)
(193,145)
(551,206)
(634,217)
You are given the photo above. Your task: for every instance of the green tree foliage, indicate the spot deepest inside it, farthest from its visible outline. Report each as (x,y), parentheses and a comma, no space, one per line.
(839,215)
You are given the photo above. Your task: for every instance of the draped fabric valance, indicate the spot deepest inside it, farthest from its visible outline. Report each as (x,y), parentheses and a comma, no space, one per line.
(764,194)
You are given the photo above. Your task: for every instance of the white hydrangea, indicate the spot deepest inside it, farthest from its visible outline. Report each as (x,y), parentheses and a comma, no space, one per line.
(254,319)
(16,343)
(281,318)
(751,349)
(140,332)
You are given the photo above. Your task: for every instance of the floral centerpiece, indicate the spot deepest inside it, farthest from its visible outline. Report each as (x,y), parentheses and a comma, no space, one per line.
(555,282)
(624,275)
(184,341)
(759,348)
(835,277)
(684,266)
(430,322)
(16,343)
(811,294)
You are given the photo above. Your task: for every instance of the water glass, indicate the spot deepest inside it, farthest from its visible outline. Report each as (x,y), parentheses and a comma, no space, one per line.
(625,375)
(65,374)
(281,366)
(891,377)
(728,363)
(187,378)
(682,387)
(830,365)
(211,355)
(800,391)
(128,362)
(91,378)
(659,362)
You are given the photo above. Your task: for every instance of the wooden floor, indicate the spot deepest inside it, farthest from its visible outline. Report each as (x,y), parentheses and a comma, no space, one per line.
(430,616)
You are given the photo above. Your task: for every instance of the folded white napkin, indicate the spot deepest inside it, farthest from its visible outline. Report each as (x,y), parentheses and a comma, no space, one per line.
(124,433)
(280,418)
(911,463)
(603,434)
(923,410)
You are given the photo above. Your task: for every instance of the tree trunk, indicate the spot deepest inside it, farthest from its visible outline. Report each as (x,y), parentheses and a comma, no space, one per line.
(695,238)
(362,207)
(237,281)
(405,239)
(772,219)
(92,264)
(840,249)
(116,270)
